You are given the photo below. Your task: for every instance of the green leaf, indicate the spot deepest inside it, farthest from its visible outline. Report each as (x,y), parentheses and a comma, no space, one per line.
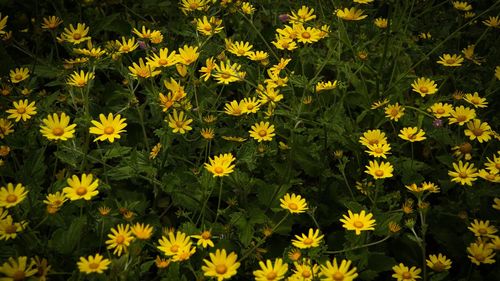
(65,241)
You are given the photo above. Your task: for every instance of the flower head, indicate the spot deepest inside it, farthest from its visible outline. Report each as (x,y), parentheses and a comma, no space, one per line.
(461,115)
(438,263)
(350,14)
(482,228)
(93,264)
(142,231)
(478,130)
(179,122)
(412,134)
(18,269)
(221,265)
(404,273)
(109,128)
(450,60)
(19,74)
(221,165)
(51,22)
(83,188)
(394,111)
(295,204)
(424,86)
(57,127)
(358,222)
(204,239)
(188,54)
(271,272)
(311,240)
(379,171)
(262,131)
(119,239)
(22,110)
(11,195)
(332,271)
(481,253)
(463,173)
(76,35)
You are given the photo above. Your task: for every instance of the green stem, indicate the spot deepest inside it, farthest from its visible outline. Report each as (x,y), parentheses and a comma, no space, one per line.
(358,247)
(218,202)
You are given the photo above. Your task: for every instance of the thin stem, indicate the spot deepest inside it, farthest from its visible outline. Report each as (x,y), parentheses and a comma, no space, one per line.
(218,202)
(358,247)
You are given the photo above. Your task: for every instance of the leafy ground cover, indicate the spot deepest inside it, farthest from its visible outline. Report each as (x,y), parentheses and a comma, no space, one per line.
(249,140)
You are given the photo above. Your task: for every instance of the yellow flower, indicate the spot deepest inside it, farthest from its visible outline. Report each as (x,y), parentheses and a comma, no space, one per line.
(144,33)
(154,151)
(493,165)
(311,240)
(234,138)
(475,100)
(163,59)
(18,269)
(438,263)
(482,228)
(210,66)
(126,45)
(204,239)
(358,222)
(381,22)
(179,122)
(424,86)
(81,189)
(240,48)
(350,14)
(250,105)
(221,265)
(10,196)
(76,36)
(404,273)
(492,22)
(93,264)
(119,239)
(80,79)
(284,43)
(209,27)
(262,131)
(332,271)
(234,108)
(156,37)
(323,86)
(302,15)
(51,22)
(188,54)
(441,109)
(162,263)
(379,171)
(394,111)
(469,54)
(307,34)
(461,6)
(373,137)
(270,272)
(295,204)
(259,56)
(142,231)
(172,244)
(247,8)
(193,5)
(9,229)
(478,130)
(19,74)
(207,133)
(489,176)
(450,60)
(464,173)
(54,201)
(22,110)
(3,23)
(461,115)
(143,70)
(227,73)
(412,134)
(109,128)
(104,210)
(57,127)
(304,271)
(221,165)
(481,253)
(496,203)
(462,150)
(379,150)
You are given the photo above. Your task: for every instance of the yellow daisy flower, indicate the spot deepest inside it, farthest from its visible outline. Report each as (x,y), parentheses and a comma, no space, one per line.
(493,165)
(302,15)
(438,263)
(295,204)
(440,110)
(142,231)
(210,26)
(194,5)
(188,54)
(119,239)
(109,128)
(461,115)
(350,14)
(478,130)
(143,70)
(373,137)
(11,195)
(76,36)
(482,228)
(379,171)
(57,127)
(424,86)
(204,239)
(240,48)
(271,272)
(461,6)
(54,201)
(475,100)
(163,59)
(247,8)
(19,74)
(226,73)
(304,271)
(171,245)
(381,22)
(3,24)
(18,269)
(5,128)
(358,222)
(262,131)
(221,165)
(22,110)
(332,271)
(394,111)
(489,176)
(154,151)
(9,229)
(126,45)
(463,173)
(307,34)
(93,264)
(311,240)
(284,43)
(412,134)
(179,122)
(51,22)
(221,265)
(81,189)
(450,60)
(492,22)
(404,273)
(250,105)
(323,86)
(481,253)
(379,150)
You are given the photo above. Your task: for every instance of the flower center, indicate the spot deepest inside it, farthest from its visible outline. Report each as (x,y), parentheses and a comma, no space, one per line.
(463,175)
(125,48)
(406,275)
(162,62)
(450,61)
(18,77)
(77,36)
(218,170)
(21,110)
(358,224)
(18,275)
(379,173)
(372,142)
(479,257)
(293,206)
(440,111)
(221,268)
(207,28)
(120,239)
(306,35)
(394,112)
(308,241)
(482,231)
(109,130)
(378,150)
(57,131)
(306,273)
(262,133)
(477,132)
(466,148)
(461,118)
(193,5)
(206,235)
(9,229)
(93,265)
(225,75)
(81,191)
(438,266)
(497,165)
(338,276)
(271,275)
(11,198)
(143,73)
(179,124)
(424,89)
(174,248)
